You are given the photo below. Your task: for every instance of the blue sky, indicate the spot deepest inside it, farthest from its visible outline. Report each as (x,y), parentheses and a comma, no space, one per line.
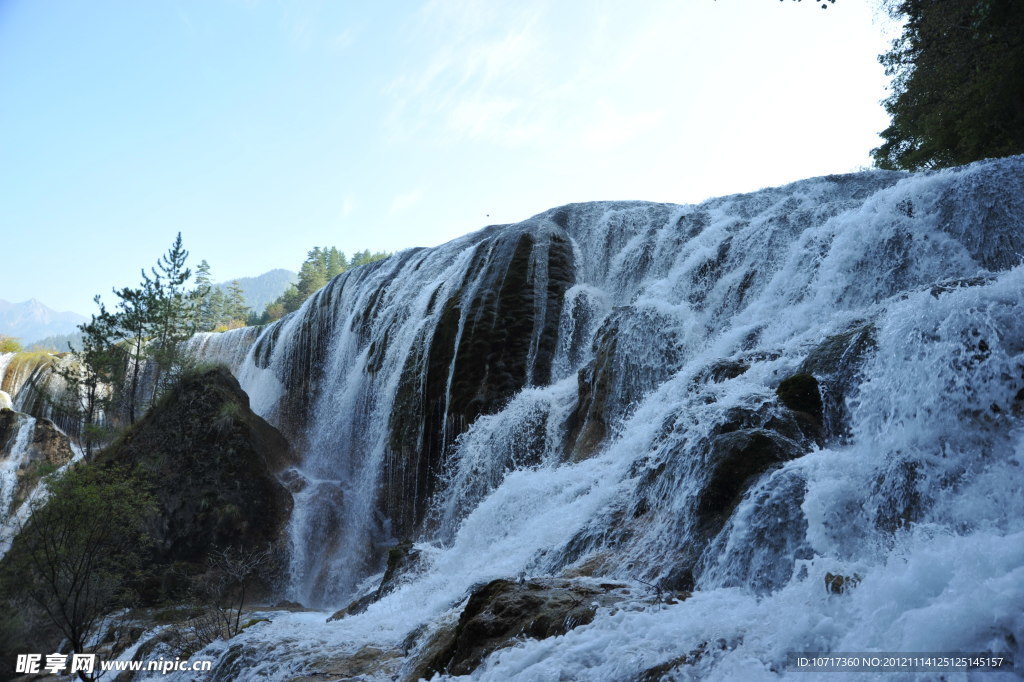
(260,129)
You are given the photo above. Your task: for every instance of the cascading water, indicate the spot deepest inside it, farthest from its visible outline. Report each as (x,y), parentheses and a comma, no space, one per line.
(593,392)
(10,466)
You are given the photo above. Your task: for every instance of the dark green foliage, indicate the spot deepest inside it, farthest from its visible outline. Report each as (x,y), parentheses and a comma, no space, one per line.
(958,83)
(218,307)
(210,461)
(100,364)
(322,264)
(150,322)
(210,305)
(235,309)
(77,556)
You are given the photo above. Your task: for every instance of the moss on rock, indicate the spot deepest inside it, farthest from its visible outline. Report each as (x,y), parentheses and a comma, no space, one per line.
(211,463)
(502,612)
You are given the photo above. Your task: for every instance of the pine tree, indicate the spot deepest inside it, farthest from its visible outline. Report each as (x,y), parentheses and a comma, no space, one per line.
(173,319)
(235,309)
(210,307)
(313,273)
(336,263)
(134,322)
(322,264)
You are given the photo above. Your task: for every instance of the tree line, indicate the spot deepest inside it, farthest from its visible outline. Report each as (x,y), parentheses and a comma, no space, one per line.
(138,340)
(322,264)
(129,355)
(958,83)
(957,73)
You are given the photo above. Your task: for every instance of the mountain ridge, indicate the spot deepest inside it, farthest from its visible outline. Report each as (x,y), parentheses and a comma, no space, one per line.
(32,320)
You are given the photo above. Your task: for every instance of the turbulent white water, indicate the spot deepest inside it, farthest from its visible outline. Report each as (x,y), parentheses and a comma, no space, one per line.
(915,485)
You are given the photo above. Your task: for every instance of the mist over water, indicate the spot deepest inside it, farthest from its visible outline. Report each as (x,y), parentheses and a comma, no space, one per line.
(656,339)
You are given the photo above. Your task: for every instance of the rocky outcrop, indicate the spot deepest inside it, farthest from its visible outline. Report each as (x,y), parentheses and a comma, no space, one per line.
(634,350)
(30,449)
(494,336)
(835,365)
(738,458)
(402,558)
(211,464)
(503,612)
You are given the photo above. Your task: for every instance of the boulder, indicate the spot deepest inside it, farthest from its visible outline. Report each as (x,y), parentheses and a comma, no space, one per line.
(836,365)
(635,349)
(211,463)
(800,393)
(738,457)
(503,612)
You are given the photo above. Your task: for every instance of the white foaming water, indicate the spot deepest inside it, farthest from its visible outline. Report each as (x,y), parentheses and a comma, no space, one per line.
(916,488)
(12,463)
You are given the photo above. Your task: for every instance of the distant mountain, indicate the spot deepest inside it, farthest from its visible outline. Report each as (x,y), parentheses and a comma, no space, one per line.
(264,289)
(31,320)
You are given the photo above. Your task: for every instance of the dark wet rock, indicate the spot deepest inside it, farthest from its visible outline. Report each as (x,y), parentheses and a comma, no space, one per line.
(737,458)
(402,558)
(587,425)
(426,643)
(745,445)
(356,606)
(368,663)
(900,502)
(949,285)
(492,339)
(634,350)
(211,463)
(836,364)
(723,370)
(503,612)
(663,671)
(670,670)
(800,393)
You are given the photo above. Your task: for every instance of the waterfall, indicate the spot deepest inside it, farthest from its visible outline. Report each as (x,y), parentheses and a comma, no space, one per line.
(598,390)
(11,465)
